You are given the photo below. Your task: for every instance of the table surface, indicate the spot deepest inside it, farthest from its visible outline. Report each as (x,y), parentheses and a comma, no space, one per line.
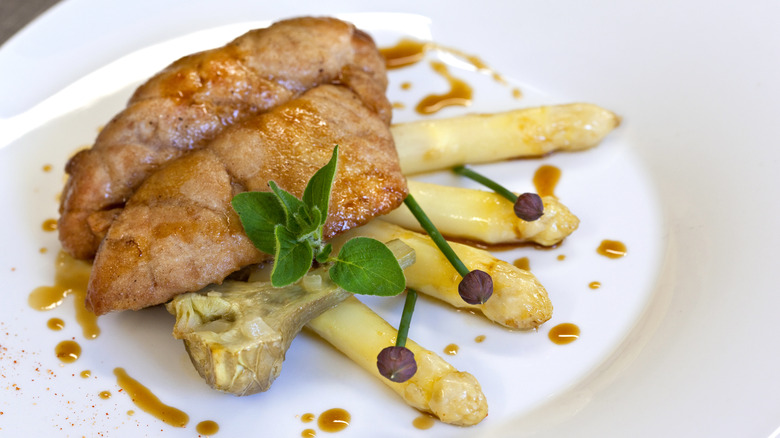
(15,14)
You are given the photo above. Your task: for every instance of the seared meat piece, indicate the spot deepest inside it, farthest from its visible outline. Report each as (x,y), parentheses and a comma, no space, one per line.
(186,105)
(179,233)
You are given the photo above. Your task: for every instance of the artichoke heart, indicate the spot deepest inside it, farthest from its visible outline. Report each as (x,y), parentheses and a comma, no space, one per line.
(237,333)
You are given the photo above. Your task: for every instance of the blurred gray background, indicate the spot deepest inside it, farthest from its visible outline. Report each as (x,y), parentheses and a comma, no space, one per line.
(15,14)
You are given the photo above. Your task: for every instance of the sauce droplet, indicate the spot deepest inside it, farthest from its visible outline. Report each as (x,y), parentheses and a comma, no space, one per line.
(46,297)
(523,263)
(85,374)
(479,339)
(307,417)
(517,93)
(207,427)
(460,93)
(405,52)
(334,420)
(409,52)
(105,395)
(406,85)
(424,422)
(148,402)
(49,225)
(71,277)
(68,351)
(612,249)
(594,284)
(47,168)
(309,433)
(131,412)
(43,250)
(398,105)
(55,324)
(565,333)
(561,257)
(451,349)
(546,178)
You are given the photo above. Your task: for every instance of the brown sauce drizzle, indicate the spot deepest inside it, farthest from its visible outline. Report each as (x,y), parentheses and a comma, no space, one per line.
(46,297)
(71,277)
(334,420)
(207,427)
(55,324)
(424,422)
(49,225)
(406,52)
(460,93)
(612,249)
(451,349)
(148,402)
(546,178)
(68,351)
(498,247)
(523,263)
(409,52)
(594,284)
(565,333)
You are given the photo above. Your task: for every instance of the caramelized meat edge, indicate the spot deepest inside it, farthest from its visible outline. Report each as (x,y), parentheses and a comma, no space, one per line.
(191,101)
(179,233)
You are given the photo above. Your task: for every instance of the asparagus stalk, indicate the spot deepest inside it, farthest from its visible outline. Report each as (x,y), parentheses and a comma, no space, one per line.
(455,397)
(519,300)
(480,216)
(438,144)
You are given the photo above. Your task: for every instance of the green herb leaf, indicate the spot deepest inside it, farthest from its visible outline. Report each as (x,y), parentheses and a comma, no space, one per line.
(366,266)
(292,258)
(308,222)
(260,213)
(290,203)
(324,253)
(317,192)
(290,228)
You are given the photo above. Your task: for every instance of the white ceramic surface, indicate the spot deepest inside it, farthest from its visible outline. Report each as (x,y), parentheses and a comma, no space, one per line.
(678,341)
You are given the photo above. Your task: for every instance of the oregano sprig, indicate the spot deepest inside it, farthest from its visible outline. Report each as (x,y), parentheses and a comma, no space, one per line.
(291,229)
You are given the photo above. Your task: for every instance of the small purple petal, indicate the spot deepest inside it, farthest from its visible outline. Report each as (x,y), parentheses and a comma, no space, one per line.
(396,364)
(476,287)
(529,207)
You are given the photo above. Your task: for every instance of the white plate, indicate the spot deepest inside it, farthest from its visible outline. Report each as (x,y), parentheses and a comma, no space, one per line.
(678,341)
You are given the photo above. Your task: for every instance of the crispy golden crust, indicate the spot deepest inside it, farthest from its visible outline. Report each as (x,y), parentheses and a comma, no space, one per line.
(187,104)
(178,232)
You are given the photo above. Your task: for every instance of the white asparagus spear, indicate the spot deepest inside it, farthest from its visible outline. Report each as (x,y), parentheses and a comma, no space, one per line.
(237,335)
(477,215)
(519,300)
(436,144)
(455,397)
